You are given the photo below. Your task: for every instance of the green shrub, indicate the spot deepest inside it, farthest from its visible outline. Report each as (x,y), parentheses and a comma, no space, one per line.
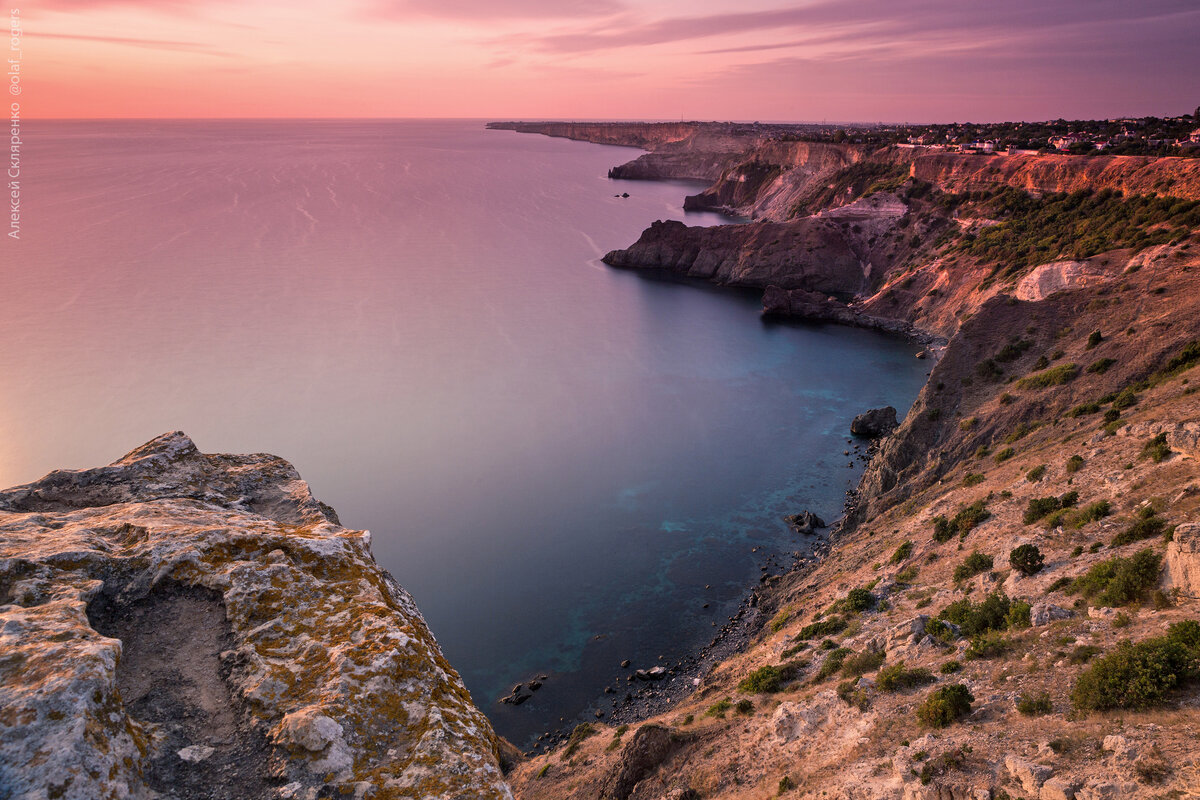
(1026,559)
(856,664)
(1034,475)
(1146,526)
(1006,399)
(972,565)
(895,677)
(990,614)
(825,627)
(1034,705)
(1055,376)
(950,667)
(973,479)
(858,600)
(1039,507)
(1082,654)
(1019,616)
(991,644)
(1004,455)
(970,517)
(1074,464)
(1140,675)
(902,552)
(1094,338)
(1068,499)
(763,680)
(1120,581)
(1156,449)
(989,370)
(718,709)
(939,630)
(1060,584)
(1125,399)
(1013,350)
(1099,367)
(832,663)
(943,531)
(582,731)
(907,575)
(1084,409)
(744,706)
(945,705)
(1185,359)
(1092,512)
(785,784)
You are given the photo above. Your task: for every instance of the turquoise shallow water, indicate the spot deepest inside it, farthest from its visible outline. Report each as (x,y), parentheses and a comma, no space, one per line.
(555,458)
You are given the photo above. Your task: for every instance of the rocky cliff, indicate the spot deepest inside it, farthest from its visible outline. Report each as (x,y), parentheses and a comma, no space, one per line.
(183,625)
(1010,607)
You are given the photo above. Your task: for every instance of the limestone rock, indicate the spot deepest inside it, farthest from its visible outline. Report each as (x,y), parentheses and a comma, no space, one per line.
(1119,746)
(176,619)
(875,423)
(1107,790)
(821,729)
(1031,776)
(1045,613)
(1183,560)
(1058,788)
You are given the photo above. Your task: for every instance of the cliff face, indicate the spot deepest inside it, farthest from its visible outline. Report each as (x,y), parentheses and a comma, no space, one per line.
(954,172)
(842,251)
(186,625)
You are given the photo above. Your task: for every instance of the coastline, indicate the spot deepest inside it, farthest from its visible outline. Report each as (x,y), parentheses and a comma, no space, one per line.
(759,603)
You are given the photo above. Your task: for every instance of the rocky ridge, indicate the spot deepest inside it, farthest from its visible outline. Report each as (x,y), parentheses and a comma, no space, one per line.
(199,626)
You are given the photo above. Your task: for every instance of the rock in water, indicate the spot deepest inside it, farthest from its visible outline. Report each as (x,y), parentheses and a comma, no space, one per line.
(175,603)
(875,423)
(805,522)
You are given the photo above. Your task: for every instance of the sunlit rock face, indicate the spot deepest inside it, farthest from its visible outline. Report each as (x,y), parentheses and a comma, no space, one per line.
(186,625)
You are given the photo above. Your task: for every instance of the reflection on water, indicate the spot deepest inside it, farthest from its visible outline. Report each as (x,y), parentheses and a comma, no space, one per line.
(414,313)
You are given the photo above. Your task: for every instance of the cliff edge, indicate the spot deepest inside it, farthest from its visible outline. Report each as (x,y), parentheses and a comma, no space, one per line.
(180,625)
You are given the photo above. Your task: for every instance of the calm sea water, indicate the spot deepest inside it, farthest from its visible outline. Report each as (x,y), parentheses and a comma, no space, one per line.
(555,458)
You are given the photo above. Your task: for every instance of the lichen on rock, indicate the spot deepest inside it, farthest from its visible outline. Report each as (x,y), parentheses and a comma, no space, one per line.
(231,597)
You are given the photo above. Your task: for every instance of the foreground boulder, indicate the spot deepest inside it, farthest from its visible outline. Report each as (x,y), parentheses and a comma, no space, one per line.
(178,624)
(875,423)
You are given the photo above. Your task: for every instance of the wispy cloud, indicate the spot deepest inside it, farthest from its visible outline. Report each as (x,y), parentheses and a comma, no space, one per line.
(857,22)
(152,44)
(481,10)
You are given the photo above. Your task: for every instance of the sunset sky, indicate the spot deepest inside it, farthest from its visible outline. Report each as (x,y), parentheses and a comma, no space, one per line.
(867,60)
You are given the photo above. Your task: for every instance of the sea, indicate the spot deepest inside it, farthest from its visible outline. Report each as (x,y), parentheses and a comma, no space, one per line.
(568,466)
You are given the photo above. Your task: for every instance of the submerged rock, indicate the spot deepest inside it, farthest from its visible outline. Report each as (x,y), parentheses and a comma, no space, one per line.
(805,522)
(178,622)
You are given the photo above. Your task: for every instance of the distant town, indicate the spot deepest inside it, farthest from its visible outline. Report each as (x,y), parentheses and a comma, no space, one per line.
(1134,136)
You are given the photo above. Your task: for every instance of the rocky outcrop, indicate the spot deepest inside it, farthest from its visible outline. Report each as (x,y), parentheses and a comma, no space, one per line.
(1183,560)
(176,623)
(646,135)
(648,748)
(875,423)
(811,254)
